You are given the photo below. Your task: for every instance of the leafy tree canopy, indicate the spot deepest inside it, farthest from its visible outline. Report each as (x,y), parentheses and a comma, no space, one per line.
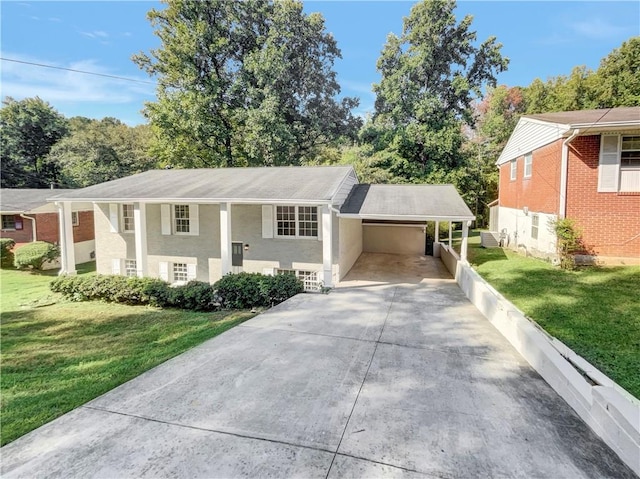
(28,130)
(243,83)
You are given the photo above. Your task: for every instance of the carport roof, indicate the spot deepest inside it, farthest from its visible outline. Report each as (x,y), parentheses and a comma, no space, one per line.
(406,202)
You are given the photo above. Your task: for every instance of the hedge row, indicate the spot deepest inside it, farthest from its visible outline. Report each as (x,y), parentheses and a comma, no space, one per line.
(233,291)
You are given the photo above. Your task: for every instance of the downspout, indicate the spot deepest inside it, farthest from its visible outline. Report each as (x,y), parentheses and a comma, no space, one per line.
(564,171)
(33,225)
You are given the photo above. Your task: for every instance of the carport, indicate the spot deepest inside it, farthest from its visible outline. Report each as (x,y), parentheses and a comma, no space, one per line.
(395,217)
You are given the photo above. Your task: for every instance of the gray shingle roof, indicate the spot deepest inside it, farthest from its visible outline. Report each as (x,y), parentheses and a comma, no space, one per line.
(417,201)
(310,183)
(592,117)
(19,200)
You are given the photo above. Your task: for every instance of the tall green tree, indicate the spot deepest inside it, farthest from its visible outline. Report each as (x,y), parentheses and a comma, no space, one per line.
(100,150)
(431,76)
(617,80)
(243,83)
(28,130)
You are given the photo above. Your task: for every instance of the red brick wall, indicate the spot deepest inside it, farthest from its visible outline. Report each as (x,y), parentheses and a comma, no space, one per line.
(47,227)
(19,236)
(610,222)
(540,192)
(85,230)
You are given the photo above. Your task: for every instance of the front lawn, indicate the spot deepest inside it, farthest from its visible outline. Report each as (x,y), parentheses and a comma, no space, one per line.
(58,355)
(593,310)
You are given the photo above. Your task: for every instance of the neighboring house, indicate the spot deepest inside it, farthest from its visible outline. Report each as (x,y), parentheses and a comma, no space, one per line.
(200,224)
(28,215)
(582,165)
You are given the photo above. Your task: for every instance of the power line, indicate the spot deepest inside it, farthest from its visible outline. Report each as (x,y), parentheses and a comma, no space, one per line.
(76,71)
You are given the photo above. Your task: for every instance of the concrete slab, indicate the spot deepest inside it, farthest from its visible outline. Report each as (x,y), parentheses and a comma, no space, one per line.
(307,390)
(452,416)
(272,384)
(98,444)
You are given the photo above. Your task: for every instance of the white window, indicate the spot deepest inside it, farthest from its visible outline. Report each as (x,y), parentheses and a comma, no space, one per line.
(75,218)
(128,223)
(296,221)
(619,165)
(182,222)
(309,278)
(180,274)
(528,165)
(8,222)
(514,169)
(535,221)
(130,268)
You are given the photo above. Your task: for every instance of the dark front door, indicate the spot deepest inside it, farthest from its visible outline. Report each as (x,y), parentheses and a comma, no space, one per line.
(236,254)
(428,249)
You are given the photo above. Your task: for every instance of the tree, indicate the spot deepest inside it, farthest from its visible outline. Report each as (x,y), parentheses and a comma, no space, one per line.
(28,130)
(430,77)
(243,83)
(617,80)
(100,150)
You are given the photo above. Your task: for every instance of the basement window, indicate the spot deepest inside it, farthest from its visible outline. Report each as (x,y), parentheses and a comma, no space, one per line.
(309,278)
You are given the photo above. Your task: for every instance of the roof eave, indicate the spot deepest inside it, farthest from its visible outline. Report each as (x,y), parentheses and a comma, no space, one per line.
(407,217)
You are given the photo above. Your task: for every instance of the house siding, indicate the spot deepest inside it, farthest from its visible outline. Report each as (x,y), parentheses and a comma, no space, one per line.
(609,222)
(540,192)
(350,244)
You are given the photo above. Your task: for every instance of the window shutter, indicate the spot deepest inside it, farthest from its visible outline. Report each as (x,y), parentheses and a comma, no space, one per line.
(609,167)
(319,223)
(268,271)
(113,217)
(165,219)
(163,270)
(267,221)
(194,220)
(191,272)
(18,223)
(116,266)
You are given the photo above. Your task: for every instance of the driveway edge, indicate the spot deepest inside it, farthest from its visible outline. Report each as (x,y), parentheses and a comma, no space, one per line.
(612,413)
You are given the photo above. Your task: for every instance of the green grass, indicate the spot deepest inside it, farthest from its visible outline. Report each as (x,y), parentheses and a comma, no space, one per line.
(593,310)
(58,356)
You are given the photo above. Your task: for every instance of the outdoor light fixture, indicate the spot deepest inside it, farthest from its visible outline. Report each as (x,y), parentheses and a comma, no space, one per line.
(246,247)
(525,210)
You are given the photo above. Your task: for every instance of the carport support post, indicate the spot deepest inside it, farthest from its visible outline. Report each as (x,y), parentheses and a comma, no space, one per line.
(225,238)
(437,232)
(327,247)
(465,238)
(140,238)
(67,252)
(450,233)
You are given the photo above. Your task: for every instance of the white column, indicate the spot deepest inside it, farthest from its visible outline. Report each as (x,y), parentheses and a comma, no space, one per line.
(140,233)
(67,251)
(437,232)
(450,233)
(327,247)
(225,238)
(465,237)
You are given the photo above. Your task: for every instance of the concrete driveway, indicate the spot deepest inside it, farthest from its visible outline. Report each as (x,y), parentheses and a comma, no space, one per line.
(403,380)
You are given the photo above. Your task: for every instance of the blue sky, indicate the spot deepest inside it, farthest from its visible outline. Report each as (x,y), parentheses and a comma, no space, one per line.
(542,39)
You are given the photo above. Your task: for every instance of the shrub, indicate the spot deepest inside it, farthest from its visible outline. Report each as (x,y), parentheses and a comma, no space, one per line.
(36,254)
(6,255)
(233,291)
(568,242)
(280,287)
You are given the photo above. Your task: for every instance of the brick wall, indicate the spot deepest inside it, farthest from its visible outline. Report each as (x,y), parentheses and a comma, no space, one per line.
(85,230)
(23,235)
(540,192)
(610,222)
(47,228)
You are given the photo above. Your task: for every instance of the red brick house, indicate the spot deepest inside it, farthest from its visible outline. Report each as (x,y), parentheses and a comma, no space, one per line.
(28,216)
(582,165)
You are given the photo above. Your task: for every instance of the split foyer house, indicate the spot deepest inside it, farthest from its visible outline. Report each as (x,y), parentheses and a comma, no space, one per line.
(28,215)
(199,224)
(582,165)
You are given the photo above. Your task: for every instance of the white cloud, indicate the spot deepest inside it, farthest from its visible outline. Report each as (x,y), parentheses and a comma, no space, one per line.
(95,34)
(54,19)
(60,86)
(597,28)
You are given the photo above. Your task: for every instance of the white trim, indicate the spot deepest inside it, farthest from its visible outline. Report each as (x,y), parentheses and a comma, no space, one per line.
(140,238)
(513,169)
(455,219)
(564,172)
(203,201)
(528,156)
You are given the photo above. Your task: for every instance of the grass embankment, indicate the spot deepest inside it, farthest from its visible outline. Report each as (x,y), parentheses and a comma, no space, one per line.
(593,310)
(58,355)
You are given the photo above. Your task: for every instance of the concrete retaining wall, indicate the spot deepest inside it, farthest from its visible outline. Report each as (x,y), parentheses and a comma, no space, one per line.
(608,409)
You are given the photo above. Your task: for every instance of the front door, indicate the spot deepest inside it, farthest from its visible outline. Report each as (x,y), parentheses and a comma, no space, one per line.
(236,257)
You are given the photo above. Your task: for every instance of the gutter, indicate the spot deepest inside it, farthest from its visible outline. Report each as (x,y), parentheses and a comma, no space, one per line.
(564,171)
(33,224)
